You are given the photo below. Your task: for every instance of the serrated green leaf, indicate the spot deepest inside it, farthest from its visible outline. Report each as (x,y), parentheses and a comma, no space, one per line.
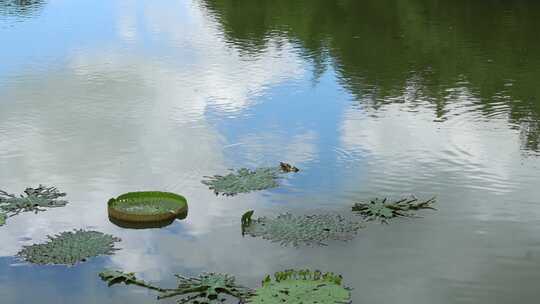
(69,248)
(207,288)
(301,286)
(33,199)
(383,210)
(288,229)
(245,180)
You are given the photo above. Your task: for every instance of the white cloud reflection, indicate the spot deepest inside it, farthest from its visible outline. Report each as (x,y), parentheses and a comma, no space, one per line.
(115,118)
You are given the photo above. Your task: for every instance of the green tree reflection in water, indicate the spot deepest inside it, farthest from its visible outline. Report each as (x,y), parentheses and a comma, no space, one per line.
(423,52)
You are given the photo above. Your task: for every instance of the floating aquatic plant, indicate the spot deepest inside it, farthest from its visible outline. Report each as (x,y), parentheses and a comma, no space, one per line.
(69,248)
(300,230)
(147,207)
(289,286)
(301,286)
(287,167)
(245,180)
(384,210)
(33,199)
(207,288)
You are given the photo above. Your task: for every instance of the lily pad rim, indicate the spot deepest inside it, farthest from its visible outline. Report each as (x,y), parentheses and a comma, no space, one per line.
(138,197)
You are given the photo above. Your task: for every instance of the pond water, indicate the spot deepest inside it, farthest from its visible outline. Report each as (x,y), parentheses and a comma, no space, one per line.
(368,98)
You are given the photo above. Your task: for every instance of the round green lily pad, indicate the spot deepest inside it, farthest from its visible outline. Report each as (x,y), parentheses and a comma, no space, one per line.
(147,207)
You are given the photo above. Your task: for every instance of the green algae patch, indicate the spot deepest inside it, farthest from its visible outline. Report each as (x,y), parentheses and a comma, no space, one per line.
(147,207)
(69,248)
(206,288)
(384,209)
(288,229)
(301,287)
(245,180)
(32,200)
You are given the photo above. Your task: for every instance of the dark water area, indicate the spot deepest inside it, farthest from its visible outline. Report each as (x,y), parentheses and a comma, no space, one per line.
(368,98)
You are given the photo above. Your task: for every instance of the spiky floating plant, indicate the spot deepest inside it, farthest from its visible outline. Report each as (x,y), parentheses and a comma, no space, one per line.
(385,210)
(245,180)
(207,288)
(70,248)
(301,286)
(289,229)
(33,199)
(289,286)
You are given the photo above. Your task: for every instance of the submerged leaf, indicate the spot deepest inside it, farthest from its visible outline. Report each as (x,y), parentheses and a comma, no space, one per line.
(3,218)
(301,286)
(245,180)
(296,230)
(69,248)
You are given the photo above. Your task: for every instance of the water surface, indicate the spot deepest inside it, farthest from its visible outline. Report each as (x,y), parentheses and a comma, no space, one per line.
(370,98)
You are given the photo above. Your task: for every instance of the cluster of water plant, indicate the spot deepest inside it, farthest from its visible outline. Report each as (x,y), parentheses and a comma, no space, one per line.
(69,248)
(207,288)
(33,199)
(289,286)
(246,180)
(384,210)
(288,229)
(302,286)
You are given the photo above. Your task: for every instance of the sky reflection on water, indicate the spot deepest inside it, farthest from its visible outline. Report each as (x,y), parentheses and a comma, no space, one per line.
(100,98)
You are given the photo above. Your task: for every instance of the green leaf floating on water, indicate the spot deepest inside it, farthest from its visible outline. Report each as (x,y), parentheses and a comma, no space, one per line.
(301,287)
(3,218)
(384,209)
(207,288)
(33,199)
(70,248)
(147,207)
(113,277)
(246,180)
(289,229)
(290,286)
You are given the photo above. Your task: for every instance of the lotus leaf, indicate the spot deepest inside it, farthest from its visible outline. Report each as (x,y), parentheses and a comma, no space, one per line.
(301,287)
(384,210)
(33,199)
(245,180)
(69,248)
(207,288)
(296,230)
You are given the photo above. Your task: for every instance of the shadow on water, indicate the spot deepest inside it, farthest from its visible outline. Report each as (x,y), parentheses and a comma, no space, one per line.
(424,53)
